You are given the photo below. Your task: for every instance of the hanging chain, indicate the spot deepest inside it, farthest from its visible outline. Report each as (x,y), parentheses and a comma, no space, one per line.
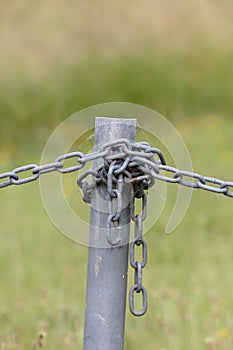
(134,246)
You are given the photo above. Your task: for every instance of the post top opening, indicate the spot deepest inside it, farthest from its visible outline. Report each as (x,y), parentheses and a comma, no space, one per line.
(104,120)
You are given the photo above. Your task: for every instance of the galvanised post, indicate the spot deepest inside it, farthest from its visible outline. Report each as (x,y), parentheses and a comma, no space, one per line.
(107,265)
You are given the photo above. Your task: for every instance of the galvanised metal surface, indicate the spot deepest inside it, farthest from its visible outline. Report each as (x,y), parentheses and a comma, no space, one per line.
(108,246)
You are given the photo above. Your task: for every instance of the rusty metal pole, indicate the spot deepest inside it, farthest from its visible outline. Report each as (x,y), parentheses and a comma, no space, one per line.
(107,265)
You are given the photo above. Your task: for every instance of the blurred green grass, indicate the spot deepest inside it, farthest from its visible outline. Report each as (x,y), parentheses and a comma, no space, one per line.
(179,87)
(189,273)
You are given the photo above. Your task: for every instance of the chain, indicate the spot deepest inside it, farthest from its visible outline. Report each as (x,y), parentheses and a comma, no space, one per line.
(122,162)
(140,154)
(12,178)
(107,152)
(138,242)
(198,181)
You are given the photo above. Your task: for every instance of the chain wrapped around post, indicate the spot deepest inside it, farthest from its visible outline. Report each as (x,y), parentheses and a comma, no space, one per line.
(122,162)
(140,154)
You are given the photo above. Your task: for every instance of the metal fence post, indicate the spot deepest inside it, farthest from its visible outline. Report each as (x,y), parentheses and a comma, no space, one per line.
(107,267)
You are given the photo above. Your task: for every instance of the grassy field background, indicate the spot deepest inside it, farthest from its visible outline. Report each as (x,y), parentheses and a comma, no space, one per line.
(177,59)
